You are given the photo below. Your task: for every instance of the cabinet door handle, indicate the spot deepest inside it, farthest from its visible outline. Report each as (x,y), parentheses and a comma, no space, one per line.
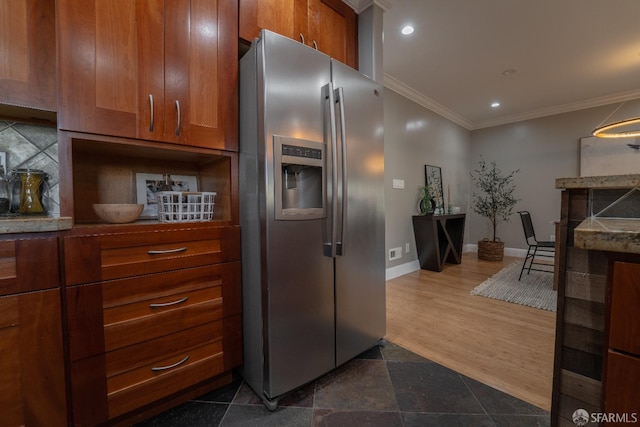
(164,368)
(167,251)
(151,121)
(301,38)
(178,112)
(315,45)
(167,304)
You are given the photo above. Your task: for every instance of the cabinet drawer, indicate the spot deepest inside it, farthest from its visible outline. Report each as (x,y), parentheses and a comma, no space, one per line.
(624,328)
(131,323)
(621,388)
(20,258)
(164,375)
(91,258)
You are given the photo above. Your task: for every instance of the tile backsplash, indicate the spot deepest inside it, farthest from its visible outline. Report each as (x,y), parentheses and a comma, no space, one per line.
(34,147)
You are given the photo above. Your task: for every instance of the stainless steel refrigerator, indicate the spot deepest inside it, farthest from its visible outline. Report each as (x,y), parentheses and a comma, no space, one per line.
(311,212)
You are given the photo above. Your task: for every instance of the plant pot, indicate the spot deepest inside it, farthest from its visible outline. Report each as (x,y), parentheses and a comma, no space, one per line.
(489,250)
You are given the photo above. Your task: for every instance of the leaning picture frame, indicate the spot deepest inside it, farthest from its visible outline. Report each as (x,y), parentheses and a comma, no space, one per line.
(147,185)
(433,179)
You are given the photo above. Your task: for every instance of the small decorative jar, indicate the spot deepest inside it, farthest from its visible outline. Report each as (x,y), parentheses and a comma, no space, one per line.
(30,192)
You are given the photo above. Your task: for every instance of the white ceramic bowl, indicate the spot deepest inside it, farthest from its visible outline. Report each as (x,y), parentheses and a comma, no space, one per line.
(118,213)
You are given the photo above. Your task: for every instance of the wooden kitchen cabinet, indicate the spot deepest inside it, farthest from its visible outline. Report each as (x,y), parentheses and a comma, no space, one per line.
(28,49)
(150,69)
(32,371)
(621,389)
(153,316)
(328,25)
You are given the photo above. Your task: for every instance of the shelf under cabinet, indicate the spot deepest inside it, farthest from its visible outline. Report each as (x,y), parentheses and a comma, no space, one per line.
(104,170)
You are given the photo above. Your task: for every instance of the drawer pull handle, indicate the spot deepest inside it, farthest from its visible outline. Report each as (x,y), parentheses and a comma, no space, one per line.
(164,368)
(167,304)
(167,251)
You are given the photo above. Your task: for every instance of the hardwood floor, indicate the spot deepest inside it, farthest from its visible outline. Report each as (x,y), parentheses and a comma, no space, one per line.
(507,346)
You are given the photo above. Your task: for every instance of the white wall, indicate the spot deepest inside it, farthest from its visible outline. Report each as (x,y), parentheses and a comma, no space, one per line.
(414,137)
(543,149)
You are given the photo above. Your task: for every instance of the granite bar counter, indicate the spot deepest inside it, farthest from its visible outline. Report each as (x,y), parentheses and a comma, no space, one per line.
(614,227)
(33,224)
(599,224)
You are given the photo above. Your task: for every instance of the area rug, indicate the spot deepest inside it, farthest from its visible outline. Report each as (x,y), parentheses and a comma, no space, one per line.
(534,290)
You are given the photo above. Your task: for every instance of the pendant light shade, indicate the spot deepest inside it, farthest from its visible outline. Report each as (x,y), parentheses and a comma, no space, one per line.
(629,128)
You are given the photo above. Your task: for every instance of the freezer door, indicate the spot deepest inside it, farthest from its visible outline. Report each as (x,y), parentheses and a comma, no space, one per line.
(360,263)
(298,290)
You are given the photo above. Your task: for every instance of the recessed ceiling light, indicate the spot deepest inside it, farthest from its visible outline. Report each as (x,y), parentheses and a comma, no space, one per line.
(495,104)
(407,30)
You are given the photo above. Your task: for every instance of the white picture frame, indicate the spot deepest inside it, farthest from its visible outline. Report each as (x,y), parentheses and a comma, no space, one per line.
(146,187)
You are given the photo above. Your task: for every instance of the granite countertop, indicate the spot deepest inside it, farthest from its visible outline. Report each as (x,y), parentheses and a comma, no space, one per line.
(609,234)
(610,181)
(34,224)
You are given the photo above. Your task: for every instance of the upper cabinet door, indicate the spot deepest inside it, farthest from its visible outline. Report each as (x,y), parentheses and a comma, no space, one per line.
(273,15)
(111,67)
(150,69)
(28,53)
(327,25)
(201,73)
(332,26)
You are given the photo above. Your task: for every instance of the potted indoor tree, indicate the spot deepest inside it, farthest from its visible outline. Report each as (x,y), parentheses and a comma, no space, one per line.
(493,200)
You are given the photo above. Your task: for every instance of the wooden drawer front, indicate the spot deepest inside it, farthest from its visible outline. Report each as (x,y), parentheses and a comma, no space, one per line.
(128,324)
(155,258)
(94,258)
(28,265)
(621,389)
(164,376)
(624,330)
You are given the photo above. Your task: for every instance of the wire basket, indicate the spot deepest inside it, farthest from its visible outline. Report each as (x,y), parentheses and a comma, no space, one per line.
(179,206)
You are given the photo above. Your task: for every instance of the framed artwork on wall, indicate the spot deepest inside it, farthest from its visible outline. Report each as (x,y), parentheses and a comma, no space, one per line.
(433,179)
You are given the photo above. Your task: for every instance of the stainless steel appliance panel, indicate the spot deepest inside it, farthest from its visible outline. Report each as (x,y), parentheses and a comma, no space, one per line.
(299,325)
(308,304)
(360,263)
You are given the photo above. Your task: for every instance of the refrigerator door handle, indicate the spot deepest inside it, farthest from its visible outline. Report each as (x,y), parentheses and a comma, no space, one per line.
(328,97)
(343,176)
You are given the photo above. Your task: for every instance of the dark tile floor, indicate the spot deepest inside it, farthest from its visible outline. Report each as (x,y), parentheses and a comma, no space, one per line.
(386,386)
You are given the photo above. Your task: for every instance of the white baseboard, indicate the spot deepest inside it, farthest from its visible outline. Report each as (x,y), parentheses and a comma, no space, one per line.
(402,269)
(520,253)
(409,267)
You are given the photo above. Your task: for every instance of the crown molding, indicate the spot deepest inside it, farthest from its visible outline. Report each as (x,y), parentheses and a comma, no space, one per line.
(559,109)
(406,91)
(361,5)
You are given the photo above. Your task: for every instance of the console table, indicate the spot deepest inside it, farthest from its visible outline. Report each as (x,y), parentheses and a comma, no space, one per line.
(438,239)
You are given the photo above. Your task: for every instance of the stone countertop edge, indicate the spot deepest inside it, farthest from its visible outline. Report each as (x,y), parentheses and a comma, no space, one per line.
(608,234)
(34,224)
(609,181)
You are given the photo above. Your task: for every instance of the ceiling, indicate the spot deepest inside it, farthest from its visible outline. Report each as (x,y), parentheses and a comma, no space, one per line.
(567,55)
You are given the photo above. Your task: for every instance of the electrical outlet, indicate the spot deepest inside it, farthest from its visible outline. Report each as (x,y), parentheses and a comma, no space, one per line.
(407,248)
(395,253)
(552,237)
